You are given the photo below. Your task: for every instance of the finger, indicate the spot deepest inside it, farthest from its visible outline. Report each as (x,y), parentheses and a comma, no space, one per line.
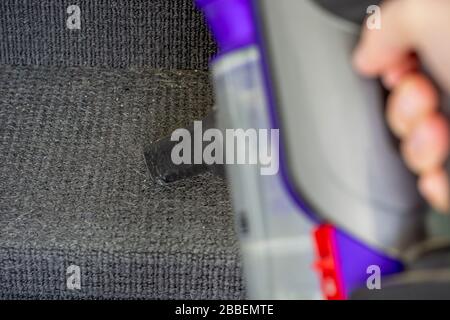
(382,49)
(427,147)
(414,98)
(434,186)
(395,74)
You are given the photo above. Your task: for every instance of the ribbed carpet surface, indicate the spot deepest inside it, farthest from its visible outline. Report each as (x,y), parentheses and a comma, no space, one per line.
(113,33)
(77,107)
(74,188)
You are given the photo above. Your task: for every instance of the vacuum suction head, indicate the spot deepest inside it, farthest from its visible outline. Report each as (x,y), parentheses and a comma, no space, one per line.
(162,169)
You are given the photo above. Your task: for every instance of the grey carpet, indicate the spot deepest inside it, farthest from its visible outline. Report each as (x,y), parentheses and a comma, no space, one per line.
(74,188)
(114,33)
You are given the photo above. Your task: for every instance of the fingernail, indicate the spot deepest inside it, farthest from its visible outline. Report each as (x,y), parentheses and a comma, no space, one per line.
(427,146)
(417,97)
(408,102)
(417,141)
(415,151)
(435,188)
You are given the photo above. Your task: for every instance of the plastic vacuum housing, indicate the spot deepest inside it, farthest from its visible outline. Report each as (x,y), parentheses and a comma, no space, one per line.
(342,204)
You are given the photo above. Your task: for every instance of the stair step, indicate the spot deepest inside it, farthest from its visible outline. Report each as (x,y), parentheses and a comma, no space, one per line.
(113,33)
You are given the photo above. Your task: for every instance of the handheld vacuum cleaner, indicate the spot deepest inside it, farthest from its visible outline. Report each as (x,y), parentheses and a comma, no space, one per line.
(341,218)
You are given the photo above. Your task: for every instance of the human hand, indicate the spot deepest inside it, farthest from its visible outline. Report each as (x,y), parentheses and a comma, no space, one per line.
(413,31)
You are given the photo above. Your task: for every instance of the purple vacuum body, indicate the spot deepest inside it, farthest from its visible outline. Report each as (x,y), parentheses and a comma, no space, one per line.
(345,250)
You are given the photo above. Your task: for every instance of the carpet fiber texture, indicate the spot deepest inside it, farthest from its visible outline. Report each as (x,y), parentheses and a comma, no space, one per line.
(74,188)
(113,33)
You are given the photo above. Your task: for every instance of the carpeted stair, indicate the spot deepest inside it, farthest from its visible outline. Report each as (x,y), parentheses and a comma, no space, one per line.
(76,109)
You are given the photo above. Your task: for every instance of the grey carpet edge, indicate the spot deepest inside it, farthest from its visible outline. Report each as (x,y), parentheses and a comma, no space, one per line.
(34,274)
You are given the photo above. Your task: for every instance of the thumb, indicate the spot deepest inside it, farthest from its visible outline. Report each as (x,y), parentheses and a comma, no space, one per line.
(382,49)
